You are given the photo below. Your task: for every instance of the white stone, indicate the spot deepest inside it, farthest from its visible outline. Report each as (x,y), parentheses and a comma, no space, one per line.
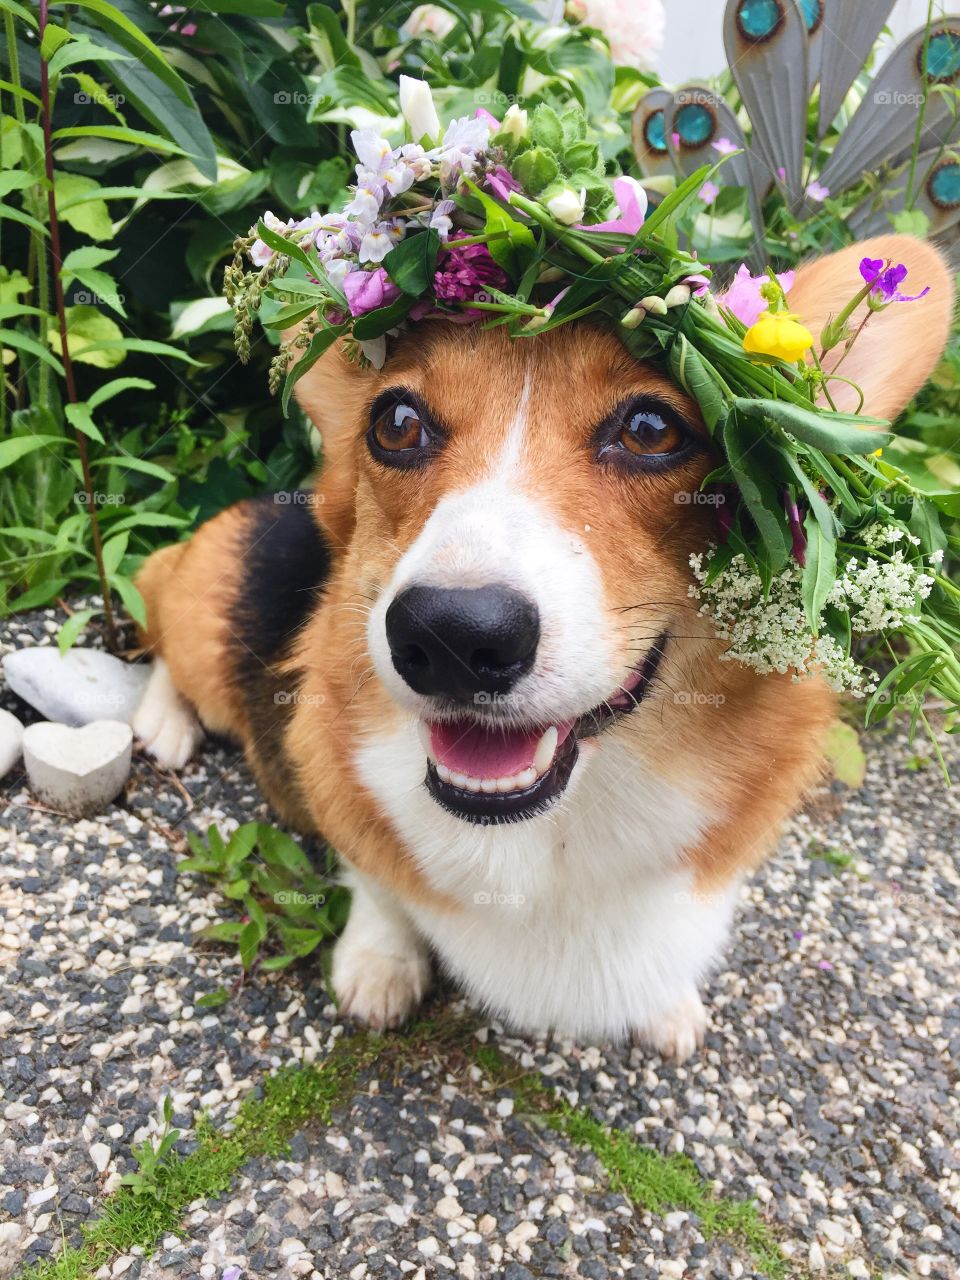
(100,1154)
(82,686)
(11,740)
(78,771)
(449,1208)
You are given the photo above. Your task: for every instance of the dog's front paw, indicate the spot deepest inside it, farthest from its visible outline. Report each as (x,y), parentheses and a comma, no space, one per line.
(165,723)
(379,987)
(677,1034)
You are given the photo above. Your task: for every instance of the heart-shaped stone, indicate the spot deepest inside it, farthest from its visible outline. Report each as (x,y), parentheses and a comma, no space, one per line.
(82,686)
(77,771)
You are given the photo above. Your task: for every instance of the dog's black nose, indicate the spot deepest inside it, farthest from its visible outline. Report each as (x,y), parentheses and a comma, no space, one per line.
(462,643)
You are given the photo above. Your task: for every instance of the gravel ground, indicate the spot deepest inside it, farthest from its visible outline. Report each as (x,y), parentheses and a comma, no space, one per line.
(827,1089)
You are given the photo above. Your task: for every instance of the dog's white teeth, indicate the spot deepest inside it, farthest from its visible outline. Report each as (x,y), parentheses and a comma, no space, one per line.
(423,729)
(458,780)
(488,786)
(443,773)
(546,750)
(526,779)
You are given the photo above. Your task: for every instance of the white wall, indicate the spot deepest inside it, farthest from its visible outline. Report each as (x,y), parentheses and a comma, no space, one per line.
(693,48)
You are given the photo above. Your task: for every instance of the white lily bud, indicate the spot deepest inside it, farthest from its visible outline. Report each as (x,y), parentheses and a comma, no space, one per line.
(416,103)
(634,318)
(656,306)
(515,122)
(678,296)
(567,206)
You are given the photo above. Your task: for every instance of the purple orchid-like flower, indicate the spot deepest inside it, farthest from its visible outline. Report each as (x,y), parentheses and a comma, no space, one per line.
(501,182)
(368,290)
(699,285)
(463,273)
(631,201)
(886,281)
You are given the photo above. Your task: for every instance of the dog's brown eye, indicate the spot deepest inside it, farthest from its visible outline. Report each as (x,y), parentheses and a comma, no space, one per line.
(398,428)
(649,435)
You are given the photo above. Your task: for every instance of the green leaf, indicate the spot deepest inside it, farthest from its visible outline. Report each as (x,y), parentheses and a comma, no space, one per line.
(514,243)
(78,415)
(53,38)
(16,180)
(695,376)
(225,931)
(750,464)
(249,944)
(546,129)
(114,549)
(134,41)
(19,92)
(102,288)
(132,599)
(819,571)
(281,244)
(279,848)
(122,346)
(536,169)
(83,50)
(327,39)
(273,963)
(240,845)
(114,388)
(845,754)
(376,323)
(11,214)
(832,432)
(24,342)
(132,463)
(72,628)
(119,133)
(21,12)
(88,255)
(413,262)
(40,594)
(90,216)
(319,343)
(214,999)
(237,889)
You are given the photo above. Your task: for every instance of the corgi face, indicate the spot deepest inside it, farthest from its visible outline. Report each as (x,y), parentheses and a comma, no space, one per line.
(524,518)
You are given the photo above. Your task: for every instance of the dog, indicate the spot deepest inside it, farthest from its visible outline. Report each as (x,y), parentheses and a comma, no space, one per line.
(469,658)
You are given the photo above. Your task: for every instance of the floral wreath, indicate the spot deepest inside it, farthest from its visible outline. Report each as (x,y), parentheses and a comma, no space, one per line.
(821,541)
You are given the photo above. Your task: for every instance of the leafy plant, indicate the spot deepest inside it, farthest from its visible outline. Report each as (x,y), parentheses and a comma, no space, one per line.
(154,1158)
(288,909)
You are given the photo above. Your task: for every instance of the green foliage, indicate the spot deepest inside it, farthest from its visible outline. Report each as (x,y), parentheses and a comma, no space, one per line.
(288,909)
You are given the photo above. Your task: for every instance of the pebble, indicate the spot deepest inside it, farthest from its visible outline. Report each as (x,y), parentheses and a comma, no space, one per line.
(82,686)
(11,741)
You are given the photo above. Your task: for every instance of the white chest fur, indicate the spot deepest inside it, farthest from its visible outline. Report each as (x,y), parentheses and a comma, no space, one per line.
(583,920)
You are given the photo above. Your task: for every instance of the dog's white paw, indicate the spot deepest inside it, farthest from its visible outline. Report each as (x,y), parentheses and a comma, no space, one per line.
(376,987)
(678,1034)
(164,722)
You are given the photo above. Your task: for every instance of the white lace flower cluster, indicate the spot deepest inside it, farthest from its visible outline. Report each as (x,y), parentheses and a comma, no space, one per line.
(771,632)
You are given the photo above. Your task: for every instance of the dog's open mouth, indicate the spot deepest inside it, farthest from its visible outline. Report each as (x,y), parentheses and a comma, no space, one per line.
(485,771)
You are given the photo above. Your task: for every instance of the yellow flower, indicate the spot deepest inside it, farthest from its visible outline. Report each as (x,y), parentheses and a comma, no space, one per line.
(778,334)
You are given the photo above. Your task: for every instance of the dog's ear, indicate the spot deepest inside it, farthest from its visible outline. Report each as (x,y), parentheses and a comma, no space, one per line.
(899,348)
(334,395)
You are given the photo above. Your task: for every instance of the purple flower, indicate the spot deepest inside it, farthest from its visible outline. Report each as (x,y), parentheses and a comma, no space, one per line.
(725,147)
(492,123)
(463,273)
(886,281)
(796,529)
(368,290)
(709,192)
(501,182)
(231,1273)
(744,298)
(632,203)
(816,191)
(699,285)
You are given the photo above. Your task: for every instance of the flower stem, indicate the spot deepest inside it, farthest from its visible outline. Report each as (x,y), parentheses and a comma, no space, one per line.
(557,229)
(57,256)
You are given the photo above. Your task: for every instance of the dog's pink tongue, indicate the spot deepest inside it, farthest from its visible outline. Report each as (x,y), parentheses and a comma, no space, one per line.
(486,752)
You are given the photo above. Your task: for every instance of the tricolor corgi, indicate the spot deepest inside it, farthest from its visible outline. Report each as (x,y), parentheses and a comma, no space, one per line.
(469,658)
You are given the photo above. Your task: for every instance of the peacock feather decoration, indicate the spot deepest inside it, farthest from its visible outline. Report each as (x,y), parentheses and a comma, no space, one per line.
(783,112)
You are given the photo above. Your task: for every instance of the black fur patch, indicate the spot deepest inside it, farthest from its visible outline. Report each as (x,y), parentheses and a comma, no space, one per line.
(285,563)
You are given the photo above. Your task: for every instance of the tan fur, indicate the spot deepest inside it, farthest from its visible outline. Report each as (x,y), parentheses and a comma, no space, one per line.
(751,743)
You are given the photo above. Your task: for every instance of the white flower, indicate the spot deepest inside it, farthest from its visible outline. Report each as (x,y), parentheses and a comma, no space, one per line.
(634,29)
(462,143)
(429,19)
(440,219)
(375,245)
(416,103)
(398,178)
(364,208)
(516,122)
(336,269)
(375,349)
(260,253)
(418,161)
(567,206)
(373,151)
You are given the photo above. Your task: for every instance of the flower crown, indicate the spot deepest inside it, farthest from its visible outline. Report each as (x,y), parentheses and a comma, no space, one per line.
(515,223)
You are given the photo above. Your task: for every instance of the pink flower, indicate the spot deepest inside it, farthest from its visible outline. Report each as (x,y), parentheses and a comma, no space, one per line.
(463,273)
(816,191)
(501,182)
(368,290)
(631,201)
(744,299)
(699,285)
(709,192)
(634,29)
(724,147)
(492,123)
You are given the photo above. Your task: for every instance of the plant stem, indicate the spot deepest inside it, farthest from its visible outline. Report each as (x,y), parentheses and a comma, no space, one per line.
(918,132)
(560,232)
(61,310)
